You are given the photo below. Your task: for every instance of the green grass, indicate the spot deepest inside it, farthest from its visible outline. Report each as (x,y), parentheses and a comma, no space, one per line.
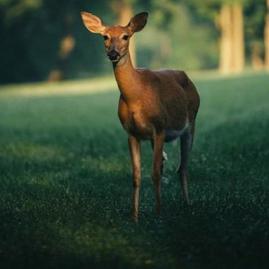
(65,187)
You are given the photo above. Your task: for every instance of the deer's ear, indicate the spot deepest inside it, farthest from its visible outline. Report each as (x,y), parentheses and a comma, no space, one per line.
(92,22)
(138,22)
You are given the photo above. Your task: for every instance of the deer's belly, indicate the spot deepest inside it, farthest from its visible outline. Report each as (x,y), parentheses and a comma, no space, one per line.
(138,126)
(172,134)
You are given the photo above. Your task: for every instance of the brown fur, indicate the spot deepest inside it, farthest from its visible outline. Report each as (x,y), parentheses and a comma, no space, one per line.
(161,100)
(151,102)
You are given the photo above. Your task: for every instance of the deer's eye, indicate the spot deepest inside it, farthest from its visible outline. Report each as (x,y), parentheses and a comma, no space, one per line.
(125,37)
(105,37)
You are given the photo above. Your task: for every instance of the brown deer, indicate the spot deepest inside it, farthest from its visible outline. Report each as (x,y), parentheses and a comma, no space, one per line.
(159,106)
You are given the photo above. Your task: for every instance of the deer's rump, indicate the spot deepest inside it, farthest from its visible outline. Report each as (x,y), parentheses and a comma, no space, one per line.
(179,98)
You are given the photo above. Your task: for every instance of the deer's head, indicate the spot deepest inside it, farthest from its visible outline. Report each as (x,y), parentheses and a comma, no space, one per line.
(116,38)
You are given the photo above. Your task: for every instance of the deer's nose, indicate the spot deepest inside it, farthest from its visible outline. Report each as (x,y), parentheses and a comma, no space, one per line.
(113,55)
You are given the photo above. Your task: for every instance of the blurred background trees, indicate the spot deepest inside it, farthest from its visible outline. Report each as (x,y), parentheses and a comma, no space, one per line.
(45,39)
(266,36)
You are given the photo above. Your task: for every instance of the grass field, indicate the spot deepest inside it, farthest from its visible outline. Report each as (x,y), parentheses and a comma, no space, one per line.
(65,183)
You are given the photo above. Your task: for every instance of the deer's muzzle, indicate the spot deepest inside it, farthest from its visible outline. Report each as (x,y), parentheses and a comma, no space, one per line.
(113,55)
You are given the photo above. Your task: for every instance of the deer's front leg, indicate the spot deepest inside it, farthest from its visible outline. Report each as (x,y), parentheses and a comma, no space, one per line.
(158,140)
(134,147)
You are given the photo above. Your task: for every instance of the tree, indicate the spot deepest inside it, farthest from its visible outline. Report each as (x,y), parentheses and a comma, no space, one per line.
(254,13)
(266,36)
(225,23)
(66,46)
(170,39)
(227,15)
(53,44)
(232,56)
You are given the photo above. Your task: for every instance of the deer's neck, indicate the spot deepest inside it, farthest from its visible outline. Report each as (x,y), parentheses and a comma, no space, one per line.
(127,78)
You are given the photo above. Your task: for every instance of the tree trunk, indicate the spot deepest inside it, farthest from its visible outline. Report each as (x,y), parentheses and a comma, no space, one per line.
(225,39)
(67,45)
(238,56)
(266,37)
(125,13)
(232,55)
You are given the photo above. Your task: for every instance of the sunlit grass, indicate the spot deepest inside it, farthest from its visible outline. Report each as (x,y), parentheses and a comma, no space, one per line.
(97,85)
(65,188)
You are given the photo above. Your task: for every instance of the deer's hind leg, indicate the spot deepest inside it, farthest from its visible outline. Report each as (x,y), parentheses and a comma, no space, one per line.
(157,166)
(186,141)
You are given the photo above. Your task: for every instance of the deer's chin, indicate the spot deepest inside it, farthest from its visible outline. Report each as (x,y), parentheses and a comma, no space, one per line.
(115,60)
(118,59)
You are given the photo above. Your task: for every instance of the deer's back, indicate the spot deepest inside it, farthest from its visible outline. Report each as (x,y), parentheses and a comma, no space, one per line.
(177,94)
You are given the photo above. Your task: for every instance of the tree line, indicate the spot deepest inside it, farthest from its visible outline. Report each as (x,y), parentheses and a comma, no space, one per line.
(45,40)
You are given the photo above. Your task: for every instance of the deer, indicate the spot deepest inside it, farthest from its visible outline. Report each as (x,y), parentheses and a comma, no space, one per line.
(159,106)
